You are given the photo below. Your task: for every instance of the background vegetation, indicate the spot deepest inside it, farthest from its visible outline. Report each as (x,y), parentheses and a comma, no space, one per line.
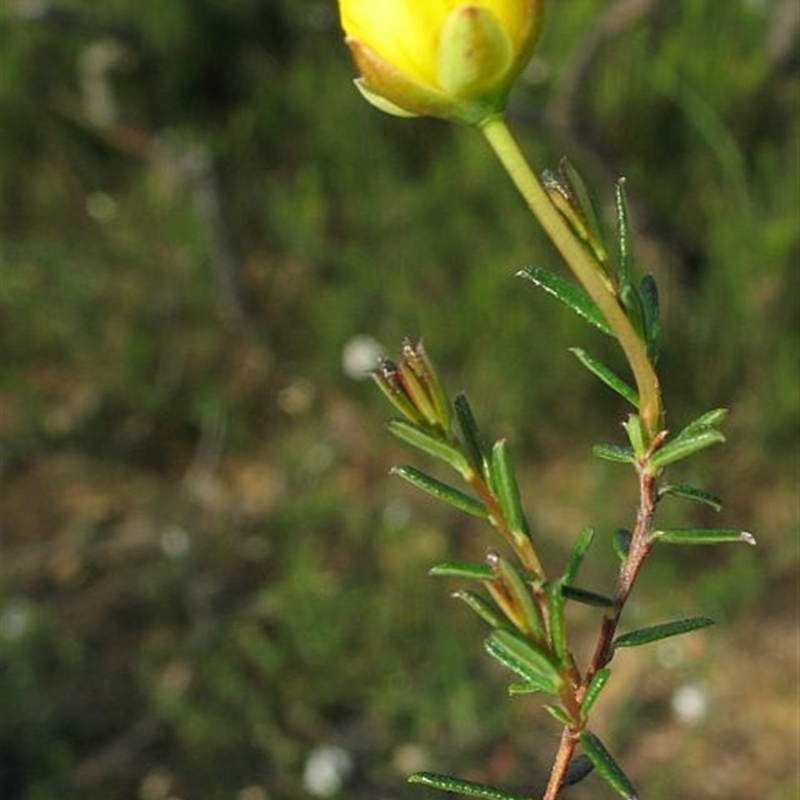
(206,573)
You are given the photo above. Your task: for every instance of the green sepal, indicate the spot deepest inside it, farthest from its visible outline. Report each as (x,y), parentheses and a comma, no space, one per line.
(387,378)
(580,193)
(606,766)
(483,609)
(447,783)
(462,569)
(431,444)
(506,488)
(648,291)
(586,597)
(703,536)
(686,446)
(607,376)
(593,690)
(691,493)
(613,452)
(625,252)
(525,659)
(441,491)
(563,198)
(664,630)
(579,549)
(569,294)
(518,590)
(470,433)
(637,434)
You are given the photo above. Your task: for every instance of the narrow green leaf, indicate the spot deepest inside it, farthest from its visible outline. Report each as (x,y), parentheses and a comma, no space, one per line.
(524,687)
(691,493)
(679,449)
(622,544)
(469,431)
(632,303)
(462,569)
(569,294)
(709,419)
(441,491)
(625,265)
(558,714)
(485,611)
(578,769)
(594,688)
(505,484)
(530,662)
(661,631)
(447,783)
(703,536)
(613,452)
(605,765)
(648,291)
(431,444)
(586,597)
(579,549)
(608,377)
(558,632)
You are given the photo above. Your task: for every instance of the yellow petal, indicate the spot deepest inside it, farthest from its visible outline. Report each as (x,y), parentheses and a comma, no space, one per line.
(474,51)
(403,32)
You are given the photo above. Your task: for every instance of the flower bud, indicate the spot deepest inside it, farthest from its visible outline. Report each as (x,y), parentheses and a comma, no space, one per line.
(414,388)
(450,58)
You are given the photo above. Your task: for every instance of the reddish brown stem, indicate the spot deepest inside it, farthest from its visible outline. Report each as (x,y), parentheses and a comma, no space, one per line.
(640,546)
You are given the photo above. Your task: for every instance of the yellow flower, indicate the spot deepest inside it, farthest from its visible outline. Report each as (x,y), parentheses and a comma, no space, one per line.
(441,58)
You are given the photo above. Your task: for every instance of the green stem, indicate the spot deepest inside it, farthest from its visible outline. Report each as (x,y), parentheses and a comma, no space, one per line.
(585,269)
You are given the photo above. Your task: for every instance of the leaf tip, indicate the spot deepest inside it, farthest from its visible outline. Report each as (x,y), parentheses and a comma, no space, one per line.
(748,538)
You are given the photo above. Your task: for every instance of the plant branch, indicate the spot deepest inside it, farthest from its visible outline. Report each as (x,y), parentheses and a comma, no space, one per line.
(583,266)
(640,546)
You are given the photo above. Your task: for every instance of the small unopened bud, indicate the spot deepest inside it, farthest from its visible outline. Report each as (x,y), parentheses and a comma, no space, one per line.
(414,388)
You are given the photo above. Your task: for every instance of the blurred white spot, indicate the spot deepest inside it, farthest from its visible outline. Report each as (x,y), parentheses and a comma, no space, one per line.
(360,356)
(155,785)
(175,542)
(252,793)
(318,458)
(15,619)
(669,654)
(326,770)
(396,514)
(690,704)
(32,9)
(101,207)
(296,397)
(408,758)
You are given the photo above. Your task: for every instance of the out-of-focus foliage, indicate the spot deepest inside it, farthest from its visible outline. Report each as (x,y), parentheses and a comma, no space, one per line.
(205,573)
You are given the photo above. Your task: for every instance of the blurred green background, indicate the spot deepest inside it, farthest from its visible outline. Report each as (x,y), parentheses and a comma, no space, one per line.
(210,585)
